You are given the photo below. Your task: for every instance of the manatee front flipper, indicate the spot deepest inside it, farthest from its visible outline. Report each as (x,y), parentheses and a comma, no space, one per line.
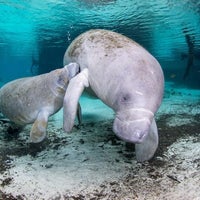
(72,95)
(146,149)
(38,131)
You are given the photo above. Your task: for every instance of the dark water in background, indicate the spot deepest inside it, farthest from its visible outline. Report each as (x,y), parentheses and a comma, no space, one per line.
(35,34)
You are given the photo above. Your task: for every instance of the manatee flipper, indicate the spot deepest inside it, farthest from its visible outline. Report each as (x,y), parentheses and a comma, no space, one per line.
(146,149)
(72,95)
(38,131)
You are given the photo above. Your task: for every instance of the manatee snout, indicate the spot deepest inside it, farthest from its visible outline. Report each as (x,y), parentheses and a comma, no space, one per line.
(133,129)
(73,69)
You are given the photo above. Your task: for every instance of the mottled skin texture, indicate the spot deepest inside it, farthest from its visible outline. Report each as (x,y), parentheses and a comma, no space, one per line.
(34,99)
(125,77)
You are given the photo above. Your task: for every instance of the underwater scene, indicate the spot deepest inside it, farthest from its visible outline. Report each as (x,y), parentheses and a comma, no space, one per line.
(99,100)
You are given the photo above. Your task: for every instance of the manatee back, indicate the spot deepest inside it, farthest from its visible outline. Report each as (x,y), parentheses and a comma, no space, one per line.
(117,63)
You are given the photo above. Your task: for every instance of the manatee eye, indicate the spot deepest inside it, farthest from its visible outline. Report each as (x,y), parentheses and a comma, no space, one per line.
(125,98)
(62,81)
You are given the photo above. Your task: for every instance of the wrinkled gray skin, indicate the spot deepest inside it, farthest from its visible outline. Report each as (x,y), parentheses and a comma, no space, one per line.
(125,77)
(34,99)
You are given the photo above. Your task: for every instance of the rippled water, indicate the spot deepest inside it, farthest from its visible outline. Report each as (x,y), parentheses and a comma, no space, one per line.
(42,30)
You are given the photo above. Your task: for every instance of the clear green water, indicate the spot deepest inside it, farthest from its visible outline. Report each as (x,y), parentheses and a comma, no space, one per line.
(42,30)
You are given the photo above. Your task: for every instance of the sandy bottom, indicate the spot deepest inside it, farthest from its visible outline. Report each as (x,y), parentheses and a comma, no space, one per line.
(92,163)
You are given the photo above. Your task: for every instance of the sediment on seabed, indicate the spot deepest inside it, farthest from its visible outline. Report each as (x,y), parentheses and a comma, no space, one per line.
(92,163)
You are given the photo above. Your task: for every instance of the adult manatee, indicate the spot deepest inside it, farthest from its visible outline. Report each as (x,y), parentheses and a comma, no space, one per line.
(124,76)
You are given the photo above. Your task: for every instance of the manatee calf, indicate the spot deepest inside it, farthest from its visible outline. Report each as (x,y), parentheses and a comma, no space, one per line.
(125,77)
(34,99)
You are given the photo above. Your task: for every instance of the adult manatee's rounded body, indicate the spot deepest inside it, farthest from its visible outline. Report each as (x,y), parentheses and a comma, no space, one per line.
(125,77)
(34,99)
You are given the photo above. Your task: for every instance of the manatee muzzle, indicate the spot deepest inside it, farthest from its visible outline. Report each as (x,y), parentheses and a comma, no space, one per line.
(133,125)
